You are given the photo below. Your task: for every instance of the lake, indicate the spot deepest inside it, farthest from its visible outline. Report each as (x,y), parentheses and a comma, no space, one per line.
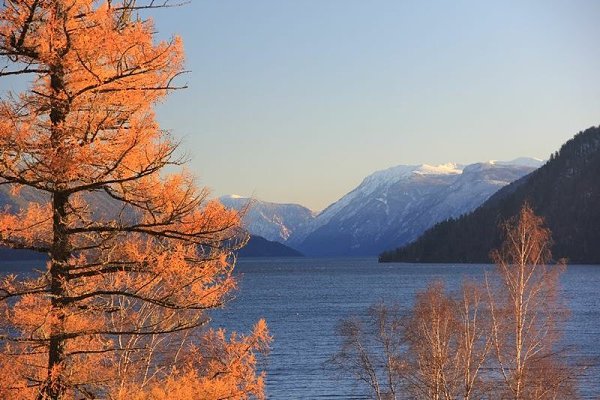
(303,299)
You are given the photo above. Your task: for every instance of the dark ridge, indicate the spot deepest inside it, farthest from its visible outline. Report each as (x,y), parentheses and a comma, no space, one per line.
(258,246)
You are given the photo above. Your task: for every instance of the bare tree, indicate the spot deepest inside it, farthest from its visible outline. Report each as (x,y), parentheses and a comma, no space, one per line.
(475,341)
(372,351)
(525,308)
(448,343)
(435,350)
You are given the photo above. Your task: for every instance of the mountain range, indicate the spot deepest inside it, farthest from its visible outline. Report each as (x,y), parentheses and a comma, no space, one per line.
(428,213)
(565,191)
(389,208)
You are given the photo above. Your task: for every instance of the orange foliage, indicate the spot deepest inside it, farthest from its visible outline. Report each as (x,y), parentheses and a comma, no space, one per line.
(219,369)
(136,256)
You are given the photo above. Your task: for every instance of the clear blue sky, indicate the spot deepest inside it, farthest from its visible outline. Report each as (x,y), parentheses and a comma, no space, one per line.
(299,100)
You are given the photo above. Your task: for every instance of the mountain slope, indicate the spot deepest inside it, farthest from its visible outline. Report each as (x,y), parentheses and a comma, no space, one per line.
(396,205)
(565,191)
(272,221)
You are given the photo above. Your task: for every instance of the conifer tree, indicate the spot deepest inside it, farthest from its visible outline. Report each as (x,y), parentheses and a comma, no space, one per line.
(120,310)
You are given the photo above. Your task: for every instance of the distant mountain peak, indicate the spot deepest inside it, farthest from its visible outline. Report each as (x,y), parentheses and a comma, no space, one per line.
(392,175)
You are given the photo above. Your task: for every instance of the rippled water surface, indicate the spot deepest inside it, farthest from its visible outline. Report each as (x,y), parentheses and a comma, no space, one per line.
(302,300)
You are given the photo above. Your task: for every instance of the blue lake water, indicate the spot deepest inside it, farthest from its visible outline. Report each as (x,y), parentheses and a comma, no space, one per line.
(303,299)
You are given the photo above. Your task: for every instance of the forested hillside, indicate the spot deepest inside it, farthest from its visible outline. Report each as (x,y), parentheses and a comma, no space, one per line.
(565,191)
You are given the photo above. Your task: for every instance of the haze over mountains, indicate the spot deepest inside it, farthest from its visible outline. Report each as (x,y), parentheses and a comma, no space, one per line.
(389,208)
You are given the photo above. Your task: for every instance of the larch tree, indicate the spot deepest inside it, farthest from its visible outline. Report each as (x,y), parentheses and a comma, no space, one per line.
(120,310)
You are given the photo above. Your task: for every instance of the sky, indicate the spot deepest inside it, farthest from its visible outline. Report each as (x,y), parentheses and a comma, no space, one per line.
(299,100)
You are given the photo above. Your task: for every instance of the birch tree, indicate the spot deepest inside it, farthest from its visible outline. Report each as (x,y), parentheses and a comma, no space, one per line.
(525,309)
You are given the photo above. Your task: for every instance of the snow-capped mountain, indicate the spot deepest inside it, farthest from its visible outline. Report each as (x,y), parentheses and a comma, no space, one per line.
(369,188)
(394,206)
(272,221)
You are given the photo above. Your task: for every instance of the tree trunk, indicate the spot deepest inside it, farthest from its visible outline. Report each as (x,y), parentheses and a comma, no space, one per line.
(54,387)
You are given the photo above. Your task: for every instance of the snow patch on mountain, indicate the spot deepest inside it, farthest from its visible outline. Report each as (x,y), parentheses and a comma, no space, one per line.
(442,169)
